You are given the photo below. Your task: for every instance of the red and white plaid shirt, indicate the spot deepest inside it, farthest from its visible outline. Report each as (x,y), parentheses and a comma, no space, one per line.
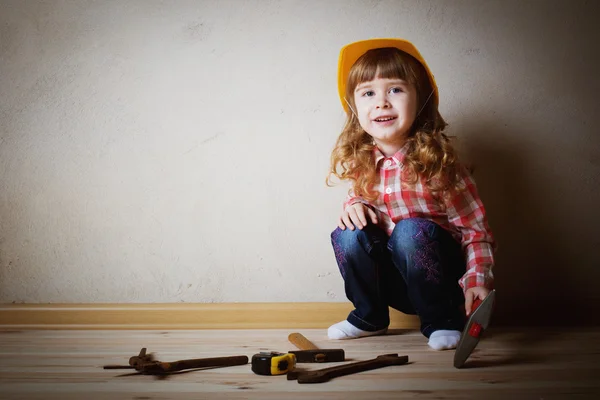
(463,215)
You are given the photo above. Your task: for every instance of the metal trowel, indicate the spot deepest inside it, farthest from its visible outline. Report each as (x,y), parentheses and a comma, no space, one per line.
(476,325)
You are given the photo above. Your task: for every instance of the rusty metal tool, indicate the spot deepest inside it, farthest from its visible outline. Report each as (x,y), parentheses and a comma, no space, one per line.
(476,325)
(310,353)
(325,374)
(146,364)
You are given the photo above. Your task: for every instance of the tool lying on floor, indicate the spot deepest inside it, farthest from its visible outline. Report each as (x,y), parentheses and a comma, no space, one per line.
(325,374)
(310,353)
(147,365)
(273,363)
(476,325)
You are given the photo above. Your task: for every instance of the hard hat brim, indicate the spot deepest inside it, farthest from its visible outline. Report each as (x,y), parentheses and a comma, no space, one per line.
(350,53)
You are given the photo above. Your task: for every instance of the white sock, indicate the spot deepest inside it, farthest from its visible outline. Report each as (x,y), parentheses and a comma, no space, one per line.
(345,330)
(444,340)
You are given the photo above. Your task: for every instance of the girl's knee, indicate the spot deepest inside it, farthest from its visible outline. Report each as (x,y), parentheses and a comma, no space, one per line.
(412,233)
(346,247)
(346,238)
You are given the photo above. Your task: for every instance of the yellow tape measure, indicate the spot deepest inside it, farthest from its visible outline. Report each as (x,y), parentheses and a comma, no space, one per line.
(273,363)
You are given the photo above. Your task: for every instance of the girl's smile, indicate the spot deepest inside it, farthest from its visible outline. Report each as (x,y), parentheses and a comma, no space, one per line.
(385,120)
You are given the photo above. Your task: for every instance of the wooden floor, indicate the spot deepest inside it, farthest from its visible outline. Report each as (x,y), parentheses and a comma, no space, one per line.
(508,364)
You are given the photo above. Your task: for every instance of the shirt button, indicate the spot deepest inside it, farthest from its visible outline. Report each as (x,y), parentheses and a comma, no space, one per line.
(388,190)
(387,163)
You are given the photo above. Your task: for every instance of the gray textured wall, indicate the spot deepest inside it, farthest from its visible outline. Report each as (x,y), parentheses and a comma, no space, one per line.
(176,151)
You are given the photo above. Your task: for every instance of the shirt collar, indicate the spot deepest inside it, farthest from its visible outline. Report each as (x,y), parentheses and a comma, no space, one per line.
(398,157)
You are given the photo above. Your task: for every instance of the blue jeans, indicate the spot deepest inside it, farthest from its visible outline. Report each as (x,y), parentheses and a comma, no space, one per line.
(415,271)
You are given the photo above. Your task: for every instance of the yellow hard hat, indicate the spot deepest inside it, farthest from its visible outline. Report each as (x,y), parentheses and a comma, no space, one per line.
(352,52)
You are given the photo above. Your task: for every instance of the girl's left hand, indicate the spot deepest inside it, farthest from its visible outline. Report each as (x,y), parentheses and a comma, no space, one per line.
(472,294)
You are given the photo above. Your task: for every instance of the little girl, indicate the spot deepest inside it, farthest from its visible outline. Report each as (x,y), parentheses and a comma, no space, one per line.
(413,233)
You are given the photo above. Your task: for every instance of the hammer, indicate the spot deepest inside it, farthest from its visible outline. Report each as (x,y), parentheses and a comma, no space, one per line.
(310,353)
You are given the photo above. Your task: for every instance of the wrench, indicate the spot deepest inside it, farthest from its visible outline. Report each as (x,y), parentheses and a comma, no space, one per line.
(146,364)
(325,374)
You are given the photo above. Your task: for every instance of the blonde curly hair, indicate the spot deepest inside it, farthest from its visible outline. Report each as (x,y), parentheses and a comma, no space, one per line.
(430,156)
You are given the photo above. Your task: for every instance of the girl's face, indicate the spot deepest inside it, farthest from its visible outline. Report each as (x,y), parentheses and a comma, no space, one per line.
(386,110)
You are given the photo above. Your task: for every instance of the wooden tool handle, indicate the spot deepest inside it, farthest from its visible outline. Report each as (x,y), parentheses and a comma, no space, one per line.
(298,340)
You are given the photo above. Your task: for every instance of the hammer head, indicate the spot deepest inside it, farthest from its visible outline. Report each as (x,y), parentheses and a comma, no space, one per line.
(319,355)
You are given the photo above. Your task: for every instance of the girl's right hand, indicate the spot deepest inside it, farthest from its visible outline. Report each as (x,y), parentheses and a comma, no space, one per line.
(356,215)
